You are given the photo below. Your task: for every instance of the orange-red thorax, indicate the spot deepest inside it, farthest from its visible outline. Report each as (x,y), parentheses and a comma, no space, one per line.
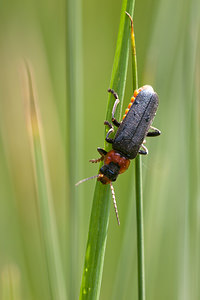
(115,157)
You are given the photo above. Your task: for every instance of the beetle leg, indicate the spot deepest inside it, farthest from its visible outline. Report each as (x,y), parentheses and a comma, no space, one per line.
(109,140)
(115,122)
(108,124)
(155,132)
(144,151)
(102,152)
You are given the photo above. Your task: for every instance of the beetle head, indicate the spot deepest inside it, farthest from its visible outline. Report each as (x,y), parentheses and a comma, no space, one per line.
(108,173)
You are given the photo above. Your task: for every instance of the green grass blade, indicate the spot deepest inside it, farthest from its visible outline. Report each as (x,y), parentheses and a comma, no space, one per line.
(127,258)
(138,189)
(94,259)
(140,229)
(44,201)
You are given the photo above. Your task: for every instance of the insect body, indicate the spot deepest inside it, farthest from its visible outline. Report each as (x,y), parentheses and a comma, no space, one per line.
(130,136)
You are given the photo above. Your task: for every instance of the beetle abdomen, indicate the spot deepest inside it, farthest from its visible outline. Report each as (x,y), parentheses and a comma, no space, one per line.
(134,127)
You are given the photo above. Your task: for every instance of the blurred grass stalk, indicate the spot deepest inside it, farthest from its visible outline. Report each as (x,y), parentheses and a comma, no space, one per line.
(189,287)
(10,287)
(94,258)
(74,139)
(44,201)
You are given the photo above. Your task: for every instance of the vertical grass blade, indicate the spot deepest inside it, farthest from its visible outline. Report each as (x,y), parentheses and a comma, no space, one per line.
(94,258)
(44,200)
(190,280)
(74,139)
(140,229)
(138,188)
(127,257)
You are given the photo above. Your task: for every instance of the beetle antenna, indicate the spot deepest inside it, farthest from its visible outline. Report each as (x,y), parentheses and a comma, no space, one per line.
(86,179)
(114,202)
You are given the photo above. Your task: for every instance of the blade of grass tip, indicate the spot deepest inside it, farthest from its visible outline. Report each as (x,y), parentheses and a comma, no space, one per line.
(138,188)
(44,200)
(134,58)
(95,251)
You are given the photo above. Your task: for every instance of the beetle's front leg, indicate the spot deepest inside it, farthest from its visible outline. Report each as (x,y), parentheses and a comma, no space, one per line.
(155,132)
(109,140)
(115,122)
(102,152)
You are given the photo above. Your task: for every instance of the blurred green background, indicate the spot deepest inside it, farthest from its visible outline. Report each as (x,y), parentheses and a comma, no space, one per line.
(168,53)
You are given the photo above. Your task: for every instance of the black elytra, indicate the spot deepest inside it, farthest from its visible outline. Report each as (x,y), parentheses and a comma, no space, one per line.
(135,126)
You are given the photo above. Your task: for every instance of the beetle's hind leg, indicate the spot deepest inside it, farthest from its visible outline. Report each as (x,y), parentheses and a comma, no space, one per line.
(154,132)
(115,122)
(102,152)
(143,151)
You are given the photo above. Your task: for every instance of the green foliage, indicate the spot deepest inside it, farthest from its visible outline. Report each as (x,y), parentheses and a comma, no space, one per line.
(168,44)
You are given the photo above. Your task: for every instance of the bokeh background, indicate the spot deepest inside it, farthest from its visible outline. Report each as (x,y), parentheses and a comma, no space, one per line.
(71,47)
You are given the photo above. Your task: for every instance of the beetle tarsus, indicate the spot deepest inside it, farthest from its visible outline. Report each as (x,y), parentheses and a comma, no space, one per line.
(109,140)
(155,132)
(108,124)
(96,160)
(143,151)
(114,93)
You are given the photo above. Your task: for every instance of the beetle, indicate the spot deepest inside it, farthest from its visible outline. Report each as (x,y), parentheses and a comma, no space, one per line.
(130,137)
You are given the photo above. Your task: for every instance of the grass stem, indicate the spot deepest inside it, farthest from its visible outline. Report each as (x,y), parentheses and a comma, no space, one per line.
(138,187)
(94,258)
